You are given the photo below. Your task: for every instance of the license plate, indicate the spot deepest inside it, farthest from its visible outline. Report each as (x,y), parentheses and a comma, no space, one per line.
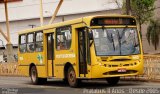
(122,70)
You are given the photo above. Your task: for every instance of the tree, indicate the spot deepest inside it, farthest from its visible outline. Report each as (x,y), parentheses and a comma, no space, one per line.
(142,10)
(153,33)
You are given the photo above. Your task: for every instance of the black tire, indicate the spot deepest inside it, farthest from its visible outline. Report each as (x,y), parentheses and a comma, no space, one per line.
(42,80)
(34,77)
(71,76)
(113,80)
(65,80)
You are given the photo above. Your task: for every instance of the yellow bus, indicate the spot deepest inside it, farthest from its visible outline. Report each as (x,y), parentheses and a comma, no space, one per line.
(93,47)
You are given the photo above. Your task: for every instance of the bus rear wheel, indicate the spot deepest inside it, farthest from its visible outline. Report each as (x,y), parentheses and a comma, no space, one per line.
(71,76)
(113,80)
(34,77)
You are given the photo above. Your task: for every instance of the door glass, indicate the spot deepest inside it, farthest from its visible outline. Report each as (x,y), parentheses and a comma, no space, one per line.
(82,52)
(50,46)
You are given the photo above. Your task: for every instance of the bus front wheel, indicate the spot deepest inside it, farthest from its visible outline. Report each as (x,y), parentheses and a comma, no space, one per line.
(71,76)
(34,77)
(113,80)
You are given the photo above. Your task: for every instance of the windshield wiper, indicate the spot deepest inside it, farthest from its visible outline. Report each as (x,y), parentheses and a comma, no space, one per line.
(110,39)
(119,40)
(123,31)
(113,42)
(120,37)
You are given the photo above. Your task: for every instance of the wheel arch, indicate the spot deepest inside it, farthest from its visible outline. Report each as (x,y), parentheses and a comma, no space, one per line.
(30,66)
(66,67)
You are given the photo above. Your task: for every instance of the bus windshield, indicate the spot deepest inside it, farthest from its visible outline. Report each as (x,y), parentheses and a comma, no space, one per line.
(116,41)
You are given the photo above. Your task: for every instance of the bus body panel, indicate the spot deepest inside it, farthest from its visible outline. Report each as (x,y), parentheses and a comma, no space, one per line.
(35,59)
(41,71)
(62,57)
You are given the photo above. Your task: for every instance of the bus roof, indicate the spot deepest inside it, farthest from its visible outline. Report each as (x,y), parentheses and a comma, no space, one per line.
(70,22)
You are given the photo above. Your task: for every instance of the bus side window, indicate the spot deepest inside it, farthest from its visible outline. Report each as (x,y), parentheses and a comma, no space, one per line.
(30,44)
(63,38)
(39,42)
(22,43)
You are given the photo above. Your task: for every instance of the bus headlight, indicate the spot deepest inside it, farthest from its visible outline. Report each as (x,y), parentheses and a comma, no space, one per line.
(100,63)
(135,57)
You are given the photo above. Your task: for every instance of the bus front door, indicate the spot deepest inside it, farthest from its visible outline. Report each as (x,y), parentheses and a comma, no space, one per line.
(50,54)
(82,53)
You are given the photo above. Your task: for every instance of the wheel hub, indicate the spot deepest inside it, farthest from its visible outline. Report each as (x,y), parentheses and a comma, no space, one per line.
(33,75)
(72,76)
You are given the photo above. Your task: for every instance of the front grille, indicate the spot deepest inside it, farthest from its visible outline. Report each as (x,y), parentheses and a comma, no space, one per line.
(126,65)
(113,65)
(120,60)
(120,65)
(117,73)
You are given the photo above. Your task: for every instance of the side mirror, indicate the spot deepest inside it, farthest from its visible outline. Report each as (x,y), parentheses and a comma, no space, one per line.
(90,35)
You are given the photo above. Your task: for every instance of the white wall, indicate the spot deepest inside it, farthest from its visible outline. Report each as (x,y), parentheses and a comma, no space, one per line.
(28,9)
(26,12)
(16,26)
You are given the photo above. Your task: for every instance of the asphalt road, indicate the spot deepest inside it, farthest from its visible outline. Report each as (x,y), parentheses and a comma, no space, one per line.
(22,85)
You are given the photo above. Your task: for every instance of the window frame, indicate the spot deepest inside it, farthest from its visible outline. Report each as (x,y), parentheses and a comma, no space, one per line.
(41,31)
(31,42)
(69,26)
(22,43)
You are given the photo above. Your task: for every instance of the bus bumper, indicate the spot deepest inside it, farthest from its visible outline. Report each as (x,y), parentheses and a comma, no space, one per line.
(121,69)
